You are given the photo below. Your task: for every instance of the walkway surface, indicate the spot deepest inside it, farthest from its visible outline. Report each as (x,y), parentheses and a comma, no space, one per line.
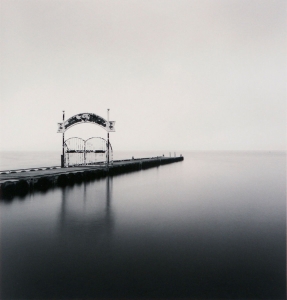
(48,171)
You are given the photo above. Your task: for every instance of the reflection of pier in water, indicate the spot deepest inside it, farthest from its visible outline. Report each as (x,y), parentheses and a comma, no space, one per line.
(87,216)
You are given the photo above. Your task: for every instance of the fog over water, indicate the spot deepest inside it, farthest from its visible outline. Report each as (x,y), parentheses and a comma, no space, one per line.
(185,74)
(202,78)
(210,227)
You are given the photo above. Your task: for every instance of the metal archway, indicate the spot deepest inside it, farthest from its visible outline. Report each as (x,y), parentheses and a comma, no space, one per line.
(108,125)
(79,152)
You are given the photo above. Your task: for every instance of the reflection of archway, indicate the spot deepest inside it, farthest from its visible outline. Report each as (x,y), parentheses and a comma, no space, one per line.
(86,220)
(108,125)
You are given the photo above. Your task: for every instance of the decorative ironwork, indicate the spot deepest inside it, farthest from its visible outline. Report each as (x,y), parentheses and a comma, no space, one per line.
(86,118)
(78,146)
(79,152)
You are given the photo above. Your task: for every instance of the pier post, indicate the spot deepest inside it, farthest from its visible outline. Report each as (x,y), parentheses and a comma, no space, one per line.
(108,140)
(85,162)
(63,145)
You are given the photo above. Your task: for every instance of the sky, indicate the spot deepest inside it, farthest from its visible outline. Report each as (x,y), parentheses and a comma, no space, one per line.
(175,74)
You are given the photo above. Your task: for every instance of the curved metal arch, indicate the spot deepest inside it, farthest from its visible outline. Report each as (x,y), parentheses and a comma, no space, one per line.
(74,146)
(84,151)
(85,141)
(65,143)
(98,137)
(75,137)
(85,118)
(111,146)
(95,137)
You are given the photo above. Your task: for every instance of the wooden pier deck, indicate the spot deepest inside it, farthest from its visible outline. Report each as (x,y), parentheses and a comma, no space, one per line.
(22,181)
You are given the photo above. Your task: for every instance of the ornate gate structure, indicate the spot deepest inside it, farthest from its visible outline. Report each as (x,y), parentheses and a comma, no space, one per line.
(79,152)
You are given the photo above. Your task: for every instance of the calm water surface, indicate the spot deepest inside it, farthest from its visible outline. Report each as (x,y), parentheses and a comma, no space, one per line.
(210,227)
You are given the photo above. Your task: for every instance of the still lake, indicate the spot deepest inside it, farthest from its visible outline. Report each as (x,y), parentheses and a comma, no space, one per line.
(210,227)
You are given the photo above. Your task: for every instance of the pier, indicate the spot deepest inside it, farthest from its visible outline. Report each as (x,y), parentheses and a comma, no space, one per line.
(23,181)
(81,160)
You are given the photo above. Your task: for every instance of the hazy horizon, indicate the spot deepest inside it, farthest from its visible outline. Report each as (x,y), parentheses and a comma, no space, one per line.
(202,75)
(178,152)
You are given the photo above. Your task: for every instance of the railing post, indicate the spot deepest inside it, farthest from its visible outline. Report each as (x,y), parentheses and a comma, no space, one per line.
(85,153)
(63,144)
(108,140)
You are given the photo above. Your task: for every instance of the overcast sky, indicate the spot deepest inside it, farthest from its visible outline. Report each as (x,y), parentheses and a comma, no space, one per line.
(176,74)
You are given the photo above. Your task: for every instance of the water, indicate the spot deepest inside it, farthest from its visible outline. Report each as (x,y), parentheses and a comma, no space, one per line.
(210,227)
